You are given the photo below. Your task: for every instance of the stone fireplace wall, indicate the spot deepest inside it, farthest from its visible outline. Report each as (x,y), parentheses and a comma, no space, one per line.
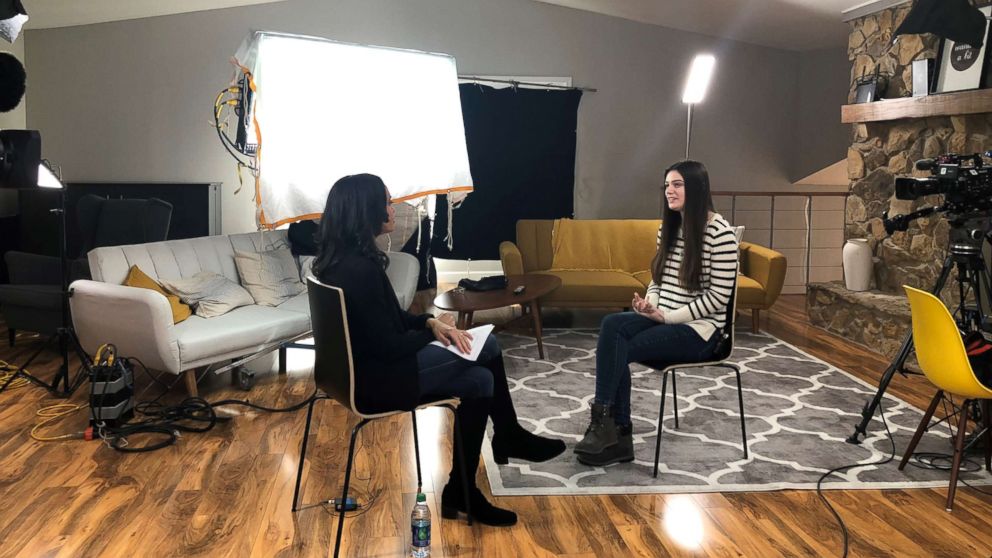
(881,151)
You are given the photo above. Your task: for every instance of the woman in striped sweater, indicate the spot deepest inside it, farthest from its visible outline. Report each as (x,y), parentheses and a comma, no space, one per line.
(693,275)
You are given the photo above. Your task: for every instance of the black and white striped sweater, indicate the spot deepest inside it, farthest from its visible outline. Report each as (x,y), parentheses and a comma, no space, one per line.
(704,310)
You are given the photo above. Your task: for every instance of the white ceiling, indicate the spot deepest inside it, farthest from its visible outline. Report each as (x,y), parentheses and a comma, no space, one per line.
(789,24)
(44,14)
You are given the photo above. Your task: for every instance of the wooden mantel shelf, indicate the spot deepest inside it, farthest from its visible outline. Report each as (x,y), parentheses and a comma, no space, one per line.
(943,104)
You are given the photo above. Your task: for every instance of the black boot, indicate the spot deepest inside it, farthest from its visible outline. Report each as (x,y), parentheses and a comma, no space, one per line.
(472,417)
(484,512)
(601,432)
(509,438)
(621,452)
(522,444)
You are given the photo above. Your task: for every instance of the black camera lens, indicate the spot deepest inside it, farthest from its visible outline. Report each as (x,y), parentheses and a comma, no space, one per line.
(912,188)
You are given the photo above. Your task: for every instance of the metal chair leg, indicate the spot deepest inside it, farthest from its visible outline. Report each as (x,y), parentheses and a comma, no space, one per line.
(282,359)
(416,450)
(347,479)
(675,400)
(740,400)
(303,453)
(661,420)
(461,461)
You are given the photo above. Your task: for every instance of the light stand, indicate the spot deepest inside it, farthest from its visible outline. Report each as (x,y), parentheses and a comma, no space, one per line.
(696,84)
(19,153)
(688,129)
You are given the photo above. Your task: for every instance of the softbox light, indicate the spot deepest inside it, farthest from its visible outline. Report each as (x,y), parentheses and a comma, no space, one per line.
(325,109)
(12,18)
(956,20)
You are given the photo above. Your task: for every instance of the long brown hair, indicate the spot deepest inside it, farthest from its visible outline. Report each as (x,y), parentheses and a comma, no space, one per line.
(692,219)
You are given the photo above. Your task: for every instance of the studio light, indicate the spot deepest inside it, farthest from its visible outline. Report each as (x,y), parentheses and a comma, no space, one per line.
(13,16)
(22,168)
(390,112)
(957,20)
(696,84)
(699,79)
(47,178)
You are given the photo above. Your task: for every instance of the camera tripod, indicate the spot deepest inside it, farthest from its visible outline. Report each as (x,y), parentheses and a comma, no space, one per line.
(964,253)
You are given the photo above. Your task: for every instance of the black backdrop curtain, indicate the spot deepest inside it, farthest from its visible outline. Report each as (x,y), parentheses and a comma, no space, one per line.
(521,149)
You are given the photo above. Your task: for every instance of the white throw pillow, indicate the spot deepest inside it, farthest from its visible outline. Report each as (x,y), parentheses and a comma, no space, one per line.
(210,294)
(271,276)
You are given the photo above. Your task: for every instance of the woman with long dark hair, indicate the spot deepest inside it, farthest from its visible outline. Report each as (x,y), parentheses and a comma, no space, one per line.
(693,277)
(396,367)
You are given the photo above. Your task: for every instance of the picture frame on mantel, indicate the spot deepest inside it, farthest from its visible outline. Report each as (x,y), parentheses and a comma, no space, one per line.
(960,67)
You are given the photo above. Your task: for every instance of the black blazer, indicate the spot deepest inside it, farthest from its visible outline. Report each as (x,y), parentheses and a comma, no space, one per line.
(384,337)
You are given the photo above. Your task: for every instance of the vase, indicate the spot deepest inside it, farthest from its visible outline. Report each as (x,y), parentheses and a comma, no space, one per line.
(857,264)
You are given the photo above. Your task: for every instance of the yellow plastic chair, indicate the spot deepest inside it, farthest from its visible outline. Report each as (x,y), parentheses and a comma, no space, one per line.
(942,356)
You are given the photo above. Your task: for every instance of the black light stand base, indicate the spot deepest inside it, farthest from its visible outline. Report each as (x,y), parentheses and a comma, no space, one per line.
(69,384)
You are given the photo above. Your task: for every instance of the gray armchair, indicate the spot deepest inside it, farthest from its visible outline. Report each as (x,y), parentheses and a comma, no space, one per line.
(31,302)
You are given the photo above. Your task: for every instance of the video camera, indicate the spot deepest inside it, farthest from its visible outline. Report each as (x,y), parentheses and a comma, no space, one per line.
(963,180)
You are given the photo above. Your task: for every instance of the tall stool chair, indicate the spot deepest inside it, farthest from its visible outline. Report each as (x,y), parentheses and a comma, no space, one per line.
(723,350)
(334,374)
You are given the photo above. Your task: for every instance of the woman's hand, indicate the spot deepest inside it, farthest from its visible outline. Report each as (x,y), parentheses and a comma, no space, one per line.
(646,309)
(639,304)
(447,335)
(654,313)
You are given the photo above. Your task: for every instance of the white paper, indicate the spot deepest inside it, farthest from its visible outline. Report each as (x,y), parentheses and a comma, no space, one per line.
(479,336)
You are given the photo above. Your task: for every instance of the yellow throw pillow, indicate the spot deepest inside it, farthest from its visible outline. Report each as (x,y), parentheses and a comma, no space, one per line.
(137,278)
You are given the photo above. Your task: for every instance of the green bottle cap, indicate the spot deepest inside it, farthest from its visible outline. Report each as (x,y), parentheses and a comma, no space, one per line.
(421,497)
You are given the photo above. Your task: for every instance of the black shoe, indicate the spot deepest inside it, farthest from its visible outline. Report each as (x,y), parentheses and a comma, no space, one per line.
(621,452)
(601,432)
(453,503)
(522,444)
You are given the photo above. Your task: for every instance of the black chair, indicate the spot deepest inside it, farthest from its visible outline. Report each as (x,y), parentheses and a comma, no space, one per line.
(32,300)
(334,374)
(723,350)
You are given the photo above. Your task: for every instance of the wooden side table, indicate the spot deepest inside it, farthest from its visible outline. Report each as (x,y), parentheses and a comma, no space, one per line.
(466,303)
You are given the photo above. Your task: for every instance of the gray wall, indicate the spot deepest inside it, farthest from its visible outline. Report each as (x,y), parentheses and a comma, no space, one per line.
(823,83)
(131,100)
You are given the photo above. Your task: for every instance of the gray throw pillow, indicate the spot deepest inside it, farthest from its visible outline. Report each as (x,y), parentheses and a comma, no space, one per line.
(271,276)
(210,294)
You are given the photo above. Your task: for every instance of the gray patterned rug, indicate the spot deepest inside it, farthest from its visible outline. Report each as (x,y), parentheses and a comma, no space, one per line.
(798,409)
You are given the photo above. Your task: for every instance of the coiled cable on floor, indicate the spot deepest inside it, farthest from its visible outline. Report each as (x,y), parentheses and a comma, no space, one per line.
(7,371)
(168,422)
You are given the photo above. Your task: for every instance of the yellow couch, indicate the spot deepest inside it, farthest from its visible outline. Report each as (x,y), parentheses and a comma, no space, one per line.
(604,262)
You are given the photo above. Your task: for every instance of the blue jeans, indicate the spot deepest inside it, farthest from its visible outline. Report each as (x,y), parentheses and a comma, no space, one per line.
(629,337)
(443,373)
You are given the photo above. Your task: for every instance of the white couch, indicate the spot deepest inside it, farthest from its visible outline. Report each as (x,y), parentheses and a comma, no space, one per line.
(139,321)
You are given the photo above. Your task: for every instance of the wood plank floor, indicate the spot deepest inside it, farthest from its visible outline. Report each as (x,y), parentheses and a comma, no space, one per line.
(228,492)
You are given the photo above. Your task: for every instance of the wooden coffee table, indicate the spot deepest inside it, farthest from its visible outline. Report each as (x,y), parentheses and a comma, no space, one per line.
(466,303)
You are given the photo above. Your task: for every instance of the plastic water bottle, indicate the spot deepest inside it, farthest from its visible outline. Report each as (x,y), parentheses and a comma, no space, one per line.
(420,525)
